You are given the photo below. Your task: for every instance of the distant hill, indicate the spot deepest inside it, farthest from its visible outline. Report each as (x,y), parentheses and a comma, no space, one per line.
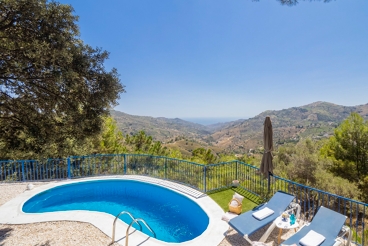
(161,129)
(218,126)
(315,120)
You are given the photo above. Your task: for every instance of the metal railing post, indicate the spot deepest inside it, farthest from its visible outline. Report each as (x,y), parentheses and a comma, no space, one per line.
(68,161)
(269,182)
(236,170)
(23,177)
(125,164)
(204,179)
(165,167)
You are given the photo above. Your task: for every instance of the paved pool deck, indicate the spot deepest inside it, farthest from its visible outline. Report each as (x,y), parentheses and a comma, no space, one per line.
(11,213)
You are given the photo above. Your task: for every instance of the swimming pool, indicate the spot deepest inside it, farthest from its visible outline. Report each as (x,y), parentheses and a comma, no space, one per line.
(12,213)
(173,217)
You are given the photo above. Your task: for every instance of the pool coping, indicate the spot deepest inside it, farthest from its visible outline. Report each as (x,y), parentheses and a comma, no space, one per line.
(11,213)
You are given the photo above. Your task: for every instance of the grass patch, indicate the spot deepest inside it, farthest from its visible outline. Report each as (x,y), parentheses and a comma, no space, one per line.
(223,197)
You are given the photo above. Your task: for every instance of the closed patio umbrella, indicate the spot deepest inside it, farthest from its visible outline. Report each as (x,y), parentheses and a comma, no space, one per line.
(266,164)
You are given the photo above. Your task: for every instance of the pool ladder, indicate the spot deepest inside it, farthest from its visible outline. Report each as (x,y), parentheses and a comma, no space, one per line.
(134,220)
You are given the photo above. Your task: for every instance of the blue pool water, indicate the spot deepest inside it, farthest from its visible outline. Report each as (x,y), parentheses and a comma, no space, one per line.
(173,217)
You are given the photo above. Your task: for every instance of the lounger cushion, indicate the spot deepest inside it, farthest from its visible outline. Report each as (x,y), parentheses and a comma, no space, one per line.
(234,203)
(312,239)
(238,197)
(263,213)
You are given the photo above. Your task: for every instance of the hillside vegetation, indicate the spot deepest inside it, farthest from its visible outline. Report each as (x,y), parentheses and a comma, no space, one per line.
(338,164)
(315,121)
(161,129)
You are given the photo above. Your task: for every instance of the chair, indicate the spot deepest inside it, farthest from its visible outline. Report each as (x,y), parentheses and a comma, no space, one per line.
(246,224)
(327,223)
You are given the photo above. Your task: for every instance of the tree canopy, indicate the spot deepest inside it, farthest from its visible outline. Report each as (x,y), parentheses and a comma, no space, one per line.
(295,2)
(348,151)
(348,148)
(303,163)
(202,155)
(111,139)
(53,87)
(142,143)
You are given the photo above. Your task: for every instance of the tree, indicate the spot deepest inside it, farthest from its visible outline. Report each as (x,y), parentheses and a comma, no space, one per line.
(299,163)
(202,155)
(174,153)
(111,139)
(157,149)
(142,143)
(326,181)
(295,2)
(348,149)
(53,87)
(304,164)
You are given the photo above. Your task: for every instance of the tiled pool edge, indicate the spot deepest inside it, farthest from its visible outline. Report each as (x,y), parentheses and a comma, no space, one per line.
(10,213)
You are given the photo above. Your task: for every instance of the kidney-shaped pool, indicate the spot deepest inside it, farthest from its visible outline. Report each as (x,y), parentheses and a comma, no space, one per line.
(172,216)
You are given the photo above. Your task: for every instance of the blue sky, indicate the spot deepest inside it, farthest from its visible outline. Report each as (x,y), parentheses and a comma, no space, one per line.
(230,58)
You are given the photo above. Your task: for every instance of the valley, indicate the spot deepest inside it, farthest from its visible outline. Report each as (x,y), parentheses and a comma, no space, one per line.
(316,120)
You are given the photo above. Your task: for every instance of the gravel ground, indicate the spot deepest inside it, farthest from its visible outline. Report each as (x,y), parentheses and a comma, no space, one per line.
(77,233)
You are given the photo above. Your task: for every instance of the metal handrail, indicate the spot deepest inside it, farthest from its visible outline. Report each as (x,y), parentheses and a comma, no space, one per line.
(116,218)
(136,221)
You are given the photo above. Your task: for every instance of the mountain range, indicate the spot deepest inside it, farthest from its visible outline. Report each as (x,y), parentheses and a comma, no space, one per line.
(316,120)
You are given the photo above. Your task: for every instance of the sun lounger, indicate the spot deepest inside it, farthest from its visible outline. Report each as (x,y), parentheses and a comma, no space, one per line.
(323,230)
(247,223)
